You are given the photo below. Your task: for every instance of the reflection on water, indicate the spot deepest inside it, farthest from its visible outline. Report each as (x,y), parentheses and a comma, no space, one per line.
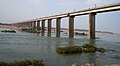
(34,46)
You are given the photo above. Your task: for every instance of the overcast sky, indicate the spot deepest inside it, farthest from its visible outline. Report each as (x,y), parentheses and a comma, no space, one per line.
(12,11)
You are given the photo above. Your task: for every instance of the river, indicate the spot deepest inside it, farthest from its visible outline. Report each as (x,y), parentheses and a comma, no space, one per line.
(20,46)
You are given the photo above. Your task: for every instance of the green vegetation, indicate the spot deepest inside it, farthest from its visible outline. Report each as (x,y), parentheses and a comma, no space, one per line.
(69,50)
(23,63)
(87,48)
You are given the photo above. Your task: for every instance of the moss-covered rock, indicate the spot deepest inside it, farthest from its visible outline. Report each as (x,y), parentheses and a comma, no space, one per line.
(37,63)
(24,63)
(69,50)
(3,63)
(87,48)
(102,50)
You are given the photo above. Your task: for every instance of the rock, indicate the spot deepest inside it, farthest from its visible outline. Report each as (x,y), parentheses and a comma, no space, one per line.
(102,50)
(92,64)
(75,64)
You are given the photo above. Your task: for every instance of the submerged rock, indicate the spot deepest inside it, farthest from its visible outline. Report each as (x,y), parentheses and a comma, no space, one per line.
(9,31)
(102,50)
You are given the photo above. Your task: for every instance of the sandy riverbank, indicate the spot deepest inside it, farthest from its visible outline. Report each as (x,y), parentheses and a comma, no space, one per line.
(99,33)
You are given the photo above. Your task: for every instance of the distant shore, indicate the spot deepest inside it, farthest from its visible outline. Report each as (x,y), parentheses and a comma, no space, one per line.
(65,30)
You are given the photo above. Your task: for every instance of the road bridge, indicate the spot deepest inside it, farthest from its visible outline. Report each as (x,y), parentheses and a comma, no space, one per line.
(92,12)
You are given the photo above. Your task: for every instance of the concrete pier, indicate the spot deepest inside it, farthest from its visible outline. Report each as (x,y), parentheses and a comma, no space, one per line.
(49,27)
(58,20)
(71,26)
(92,26)
(38,25)
(34,25)
(43,28)
(30,24)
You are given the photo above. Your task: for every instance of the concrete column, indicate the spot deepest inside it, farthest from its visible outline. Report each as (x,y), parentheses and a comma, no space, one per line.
(49,27)
(27,24)
(34,25)
(92,25)
(38,25)
(43,27)
(71,26)
(30,24)
(58,20)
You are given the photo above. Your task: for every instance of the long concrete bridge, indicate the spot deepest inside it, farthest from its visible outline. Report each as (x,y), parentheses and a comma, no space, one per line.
(92,12)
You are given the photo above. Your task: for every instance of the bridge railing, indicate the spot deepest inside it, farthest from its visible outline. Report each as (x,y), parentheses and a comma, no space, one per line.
(113,4)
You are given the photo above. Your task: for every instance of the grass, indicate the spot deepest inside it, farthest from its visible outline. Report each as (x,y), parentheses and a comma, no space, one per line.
(87,48)
(23,63)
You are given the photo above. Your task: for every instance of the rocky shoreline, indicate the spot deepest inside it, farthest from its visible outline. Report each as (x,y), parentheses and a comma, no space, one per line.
(92,64)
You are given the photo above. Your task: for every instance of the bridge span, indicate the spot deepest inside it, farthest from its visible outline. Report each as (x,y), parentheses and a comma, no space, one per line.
(92,12)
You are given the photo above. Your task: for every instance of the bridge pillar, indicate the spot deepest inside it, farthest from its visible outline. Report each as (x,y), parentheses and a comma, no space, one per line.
(27,24)
(92,25)
(58,20)
(34,25)
(43,27)
(49,27)
(30,24)
(71,26)
(38,25)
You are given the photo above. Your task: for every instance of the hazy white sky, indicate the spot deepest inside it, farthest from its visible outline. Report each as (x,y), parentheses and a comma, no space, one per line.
(19,10)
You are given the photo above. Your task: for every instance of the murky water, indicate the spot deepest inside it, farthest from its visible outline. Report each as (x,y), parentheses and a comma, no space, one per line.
(31,46)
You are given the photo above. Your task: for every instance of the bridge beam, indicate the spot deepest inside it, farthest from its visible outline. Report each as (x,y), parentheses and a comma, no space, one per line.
(43,28)
(92,25)
(49,27)
(38,25)
(71,26)
(58,20)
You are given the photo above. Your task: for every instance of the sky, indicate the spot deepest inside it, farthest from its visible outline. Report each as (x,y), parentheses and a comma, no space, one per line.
(14,11)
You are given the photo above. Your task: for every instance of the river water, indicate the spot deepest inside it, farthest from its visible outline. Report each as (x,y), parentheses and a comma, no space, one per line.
(20,46)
